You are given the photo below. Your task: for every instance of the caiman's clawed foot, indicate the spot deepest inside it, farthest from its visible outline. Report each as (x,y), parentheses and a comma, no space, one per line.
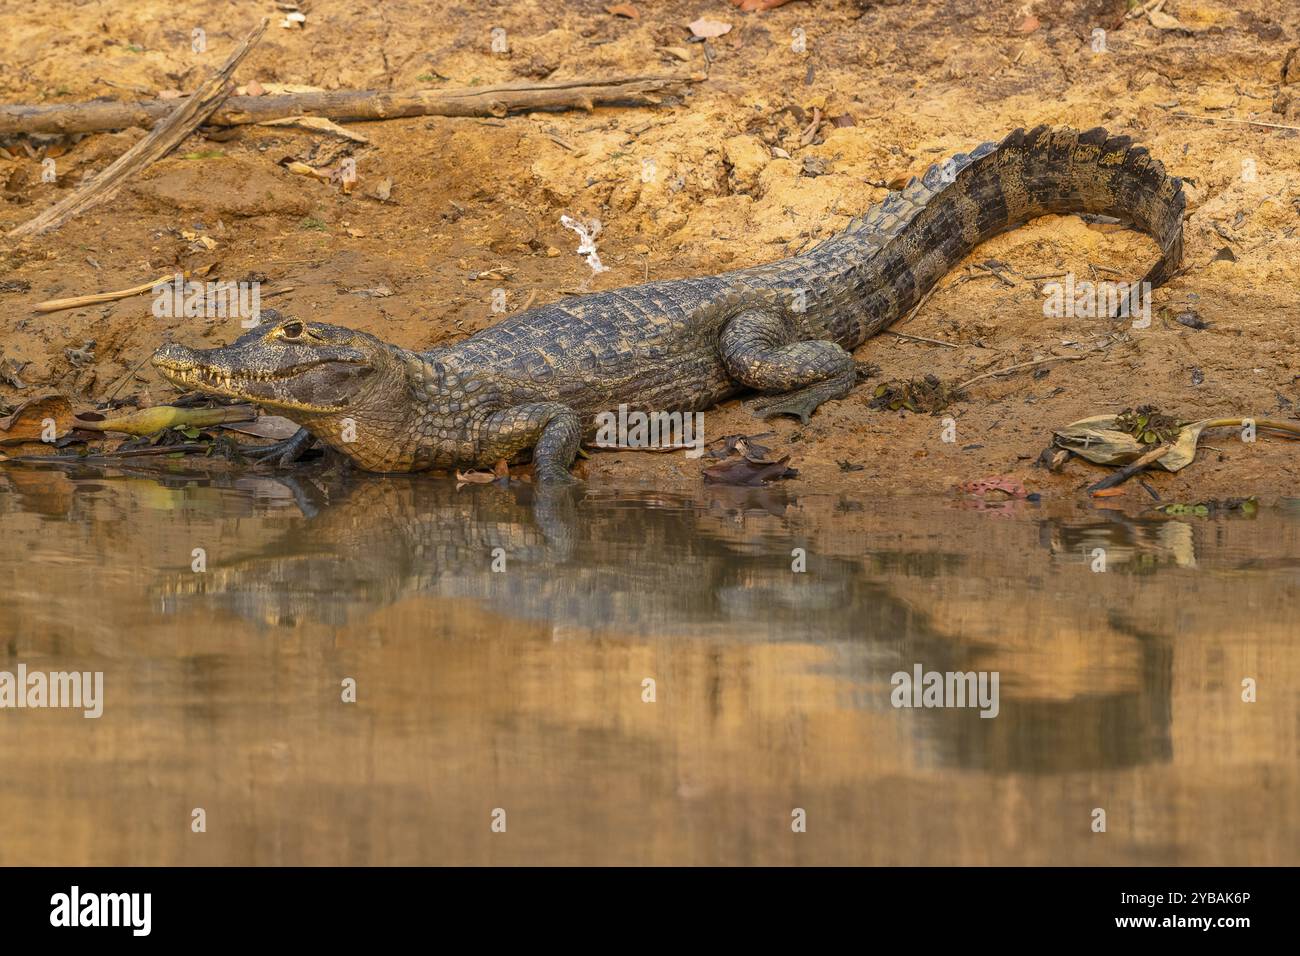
(282,453)
(805,401)
(865,370)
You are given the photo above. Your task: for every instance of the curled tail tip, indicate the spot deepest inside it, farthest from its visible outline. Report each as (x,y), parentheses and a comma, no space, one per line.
(1111,150)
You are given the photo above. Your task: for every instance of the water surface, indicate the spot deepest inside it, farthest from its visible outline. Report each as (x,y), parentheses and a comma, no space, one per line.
(523,689)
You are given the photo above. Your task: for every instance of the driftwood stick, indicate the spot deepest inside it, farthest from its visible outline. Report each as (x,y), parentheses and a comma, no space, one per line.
(341,105)
(179,124)
(1132,468)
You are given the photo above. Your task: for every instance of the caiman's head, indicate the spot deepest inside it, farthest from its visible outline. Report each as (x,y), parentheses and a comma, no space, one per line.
(348,388)
(300,369)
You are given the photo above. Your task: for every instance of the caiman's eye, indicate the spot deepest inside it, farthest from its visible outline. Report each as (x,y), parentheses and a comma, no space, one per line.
(291,331)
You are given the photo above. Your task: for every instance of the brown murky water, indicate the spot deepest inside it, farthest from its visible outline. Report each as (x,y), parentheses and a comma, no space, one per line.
(522,690)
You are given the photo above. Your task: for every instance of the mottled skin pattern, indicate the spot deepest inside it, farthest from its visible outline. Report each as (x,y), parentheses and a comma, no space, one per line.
(535,382)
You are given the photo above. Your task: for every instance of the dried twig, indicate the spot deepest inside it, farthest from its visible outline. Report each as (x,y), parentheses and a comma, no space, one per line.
(1108,269)
(78,301)
(182,121)
(1182,114)
(922,338)
(528,303)
(1013,368)
(996,273)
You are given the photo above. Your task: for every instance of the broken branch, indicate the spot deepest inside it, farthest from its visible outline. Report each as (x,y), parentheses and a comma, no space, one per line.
(343,105)
(168,134)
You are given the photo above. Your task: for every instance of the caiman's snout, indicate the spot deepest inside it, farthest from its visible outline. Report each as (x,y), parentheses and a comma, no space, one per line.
(191,369)
(291,365)
(173,358)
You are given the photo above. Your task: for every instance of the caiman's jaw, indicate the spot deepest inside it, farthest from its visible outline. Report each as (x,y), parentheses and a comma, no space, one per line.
(307,368)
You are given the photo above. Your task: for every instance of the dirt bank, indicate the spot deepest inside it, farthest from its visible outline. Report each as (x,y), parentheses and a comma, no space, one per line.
(699,186)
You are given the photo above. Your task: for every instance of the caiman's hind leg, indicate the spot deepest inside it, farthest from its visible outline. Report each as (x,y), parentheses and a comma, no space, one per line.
(550,429)
(757,352)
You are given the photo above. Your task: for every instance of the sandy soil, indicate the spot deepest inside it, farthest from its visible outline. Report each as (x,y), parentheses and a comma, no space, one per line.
(919,81)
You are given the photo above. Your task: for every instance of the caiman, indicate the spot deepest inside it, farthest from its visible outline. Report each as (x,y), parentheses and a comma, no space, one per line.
(535,382)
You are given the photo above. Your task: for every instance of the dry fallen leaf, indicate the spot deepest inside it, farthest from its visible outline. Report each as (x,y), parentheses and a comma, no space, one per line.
(744,445)
(207,242)
(148,421)
(707,29)
(274,427)
(745,471)
(1163,21)
(477,477)
(29,420)
(498,274)
(623,10)
(302,169)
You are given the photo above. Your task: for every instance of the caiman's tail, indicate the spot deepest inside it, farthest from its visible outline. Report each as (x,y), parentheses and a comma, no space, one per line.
(914,236)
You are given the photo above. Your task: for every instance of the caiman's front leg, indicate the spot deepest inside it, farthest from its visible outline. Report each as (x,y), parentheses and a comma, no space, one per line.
(758,352)
(550,429)
(283,453)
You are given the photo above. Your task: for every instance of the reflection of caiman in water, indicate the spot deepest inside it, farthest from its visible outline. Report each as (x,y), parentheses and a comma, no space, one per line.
(644,565)
(655,565)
